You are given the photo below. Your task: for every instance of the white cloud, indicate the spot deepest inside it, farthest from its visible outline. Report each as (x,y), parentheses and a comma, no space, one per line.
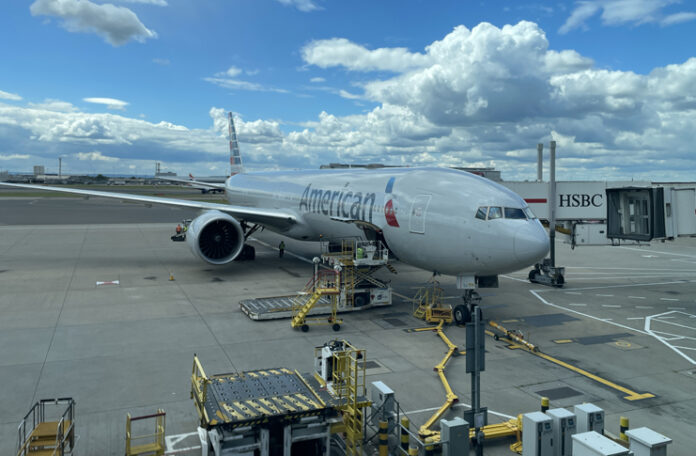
(619,12)
(95,156)
(317,79)
(236,84)
(14,157)
(116,24)
(110,103)
(677,18)
(51,104)
(486,97)
(160,61)
(342,52)
(9,96)
(302,5)
(231,72)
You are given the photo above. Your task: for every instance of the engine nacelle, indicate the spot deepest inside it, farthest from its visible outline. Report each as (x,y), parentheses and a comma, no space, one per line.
(215,237)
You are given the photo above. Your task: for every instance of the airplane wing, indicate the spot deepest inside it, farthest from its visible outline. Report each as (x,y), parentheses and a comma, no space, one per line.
(266,217)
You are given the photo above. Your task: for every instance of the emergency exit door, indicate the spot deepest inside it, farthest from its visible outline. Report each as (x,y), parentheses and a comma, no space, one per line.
(419,208)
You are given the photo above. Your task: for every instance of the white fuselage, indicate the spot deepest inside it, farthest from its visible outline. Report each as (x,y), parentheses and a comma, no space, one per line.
(427,215)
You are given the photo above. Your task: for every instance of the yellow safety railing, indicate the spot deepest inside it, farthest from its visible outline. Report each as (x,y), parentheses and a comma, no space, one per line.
(199,390)
(155,447)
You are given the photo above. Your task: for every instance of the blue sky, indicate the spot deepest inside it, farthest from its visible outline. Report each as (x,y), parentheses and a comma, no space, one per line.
(114,86)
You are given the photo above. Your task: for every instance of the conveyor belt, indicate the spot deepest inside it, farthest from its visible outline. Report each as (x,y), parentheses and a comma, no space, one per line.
(256,397)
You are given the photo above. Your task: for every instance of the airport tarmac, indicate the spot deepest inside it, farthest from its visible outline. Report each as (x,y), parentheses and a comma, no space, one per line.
(627,314)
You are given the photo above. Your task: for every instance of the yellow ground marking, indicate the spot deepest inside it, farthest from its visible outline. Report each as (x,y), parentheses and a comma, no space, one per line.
(563,341)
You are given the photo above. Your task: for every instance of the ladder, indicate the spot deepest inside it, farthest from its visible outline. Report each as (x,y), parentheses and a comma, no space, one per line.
(325,283)
(156,447)
(39,435)
(349,387)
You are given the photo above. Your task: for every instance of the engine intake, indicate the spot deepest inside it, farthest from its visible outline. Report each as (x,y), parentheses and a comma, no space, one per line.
(216,237)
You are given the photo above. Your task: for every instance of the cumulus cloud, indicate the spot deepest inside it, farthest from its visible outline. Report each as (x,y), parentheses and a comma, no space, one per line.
(342,52)
(226,79)
(486,97)
(110,103)
(95,156)
(116,24)
(619,12)
(302,5)
(13,157)
(317,79)
(9,96)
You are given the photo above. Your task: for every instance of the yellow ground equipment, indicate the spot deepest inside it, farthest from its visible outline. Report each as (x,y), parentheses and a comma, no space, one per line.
(341,367)
(430,306)
(156,446)
(48,429)
(324,283)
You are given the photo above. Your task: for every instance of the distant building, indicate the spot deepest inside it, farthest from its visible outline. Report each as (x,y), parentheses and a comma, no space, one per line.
(39,170)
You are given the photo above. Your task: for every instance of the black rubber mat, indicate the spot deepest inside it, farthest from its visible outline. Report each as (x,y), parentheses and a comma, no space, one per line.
(559,393)
(592,340)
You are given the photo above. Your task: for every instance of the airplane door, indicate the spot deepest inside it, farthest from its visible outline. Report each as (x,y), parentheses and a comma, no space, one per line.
(418,211)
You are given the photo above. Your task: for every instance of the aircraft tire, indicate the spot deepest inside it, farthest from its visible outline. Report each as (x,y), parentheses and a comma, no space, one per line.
(336,327)
(461,314)
(533,275)
(360,300)
(304,328)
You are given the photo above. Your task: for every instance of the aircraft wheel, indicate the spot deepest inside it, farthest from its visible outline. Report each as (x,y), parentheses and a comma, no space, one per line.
(336,327)
(359,300)
(304,328)
(533,274)
(461,314)
(560,280)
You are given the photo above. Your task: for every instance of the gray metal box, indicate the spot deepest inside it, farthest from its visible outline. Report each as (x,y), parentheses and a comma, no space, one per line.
(590,418)
(564,426)
(594,444)
(383,404)
(646,442)
(454,437)
(537,435)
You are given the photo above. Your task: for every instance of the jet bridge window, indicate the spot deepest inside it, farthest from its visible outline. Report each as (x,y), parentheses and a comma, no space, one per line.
(514,213)
(481,213)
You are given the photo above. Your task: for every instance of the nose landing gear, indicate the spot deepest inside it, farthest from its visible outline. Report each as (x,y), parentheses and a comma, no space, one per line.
(462,313)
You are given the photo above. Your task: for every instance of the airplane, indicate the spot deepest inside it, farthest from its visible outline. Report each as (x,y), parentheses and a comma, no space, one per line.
(202,184)
(438,219)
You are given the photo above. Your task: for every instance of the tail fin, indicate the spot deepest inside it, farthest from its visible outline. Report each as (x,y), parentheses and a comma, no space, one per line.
(191,177)
(235,157)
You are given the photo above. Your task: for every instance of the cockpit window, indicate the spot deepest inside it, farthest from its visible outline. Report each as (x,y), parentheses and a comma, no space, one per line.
(494,212)
(481,213)
(514,213)
(530,214)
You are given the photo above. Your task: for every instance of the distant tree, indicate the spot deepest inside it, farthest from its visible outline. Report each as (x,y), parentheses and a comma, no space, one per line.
(101,177)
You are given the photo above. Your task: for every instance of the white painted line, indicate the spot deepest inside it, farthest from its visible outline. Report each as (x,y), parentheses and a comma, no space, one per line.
(676,308)
(668,299)
(572,293)
(457,405)
(108,282)
(548,303)
(515,278)
(637,297)
(644,307)
(605,295)
(662,318)
(615,306)
(632,285)
(635,318)
(578,304)
(648,329)
(661,253)
(607,319)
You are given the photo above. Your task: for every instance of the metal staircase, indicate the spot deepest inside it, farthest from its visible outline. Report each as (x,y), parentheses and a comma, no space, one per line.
(323,284)
(42,433)
(349,387)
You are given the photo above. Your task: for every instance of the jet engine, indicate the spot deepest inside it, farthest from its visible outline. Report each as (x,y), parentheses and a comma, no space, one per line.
(215,237)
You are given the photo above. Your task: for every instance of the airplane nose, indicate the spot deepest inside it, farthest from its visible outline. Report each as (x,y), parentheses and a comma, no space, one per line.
(531,244)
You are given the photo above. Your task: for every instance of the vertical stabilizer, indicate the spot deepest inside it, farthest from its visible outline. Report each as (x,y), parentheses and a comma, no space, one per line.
(235,157)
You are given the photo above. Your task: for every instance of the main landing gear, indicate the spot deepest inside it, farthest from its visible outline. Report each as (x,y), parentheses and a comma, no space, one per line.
(463,312)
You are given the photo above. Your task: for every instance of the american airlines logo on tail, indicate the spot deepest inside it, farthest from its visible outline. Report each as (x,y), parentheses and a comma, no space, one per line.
(390,204)
(235,156)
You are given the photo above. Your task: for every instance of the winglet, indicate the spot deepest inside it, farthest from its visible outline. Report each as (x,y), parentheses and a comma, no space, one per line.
(235,157)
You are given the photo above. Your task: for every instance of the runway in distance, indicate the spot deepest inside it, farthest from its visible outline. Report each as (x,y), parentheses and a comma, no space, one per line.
(442,220)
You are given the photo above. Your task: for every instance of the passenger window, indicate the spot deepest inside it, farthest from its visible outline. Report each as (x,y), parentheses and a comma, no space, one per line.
(494,213)
(481,213)
(514,213)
